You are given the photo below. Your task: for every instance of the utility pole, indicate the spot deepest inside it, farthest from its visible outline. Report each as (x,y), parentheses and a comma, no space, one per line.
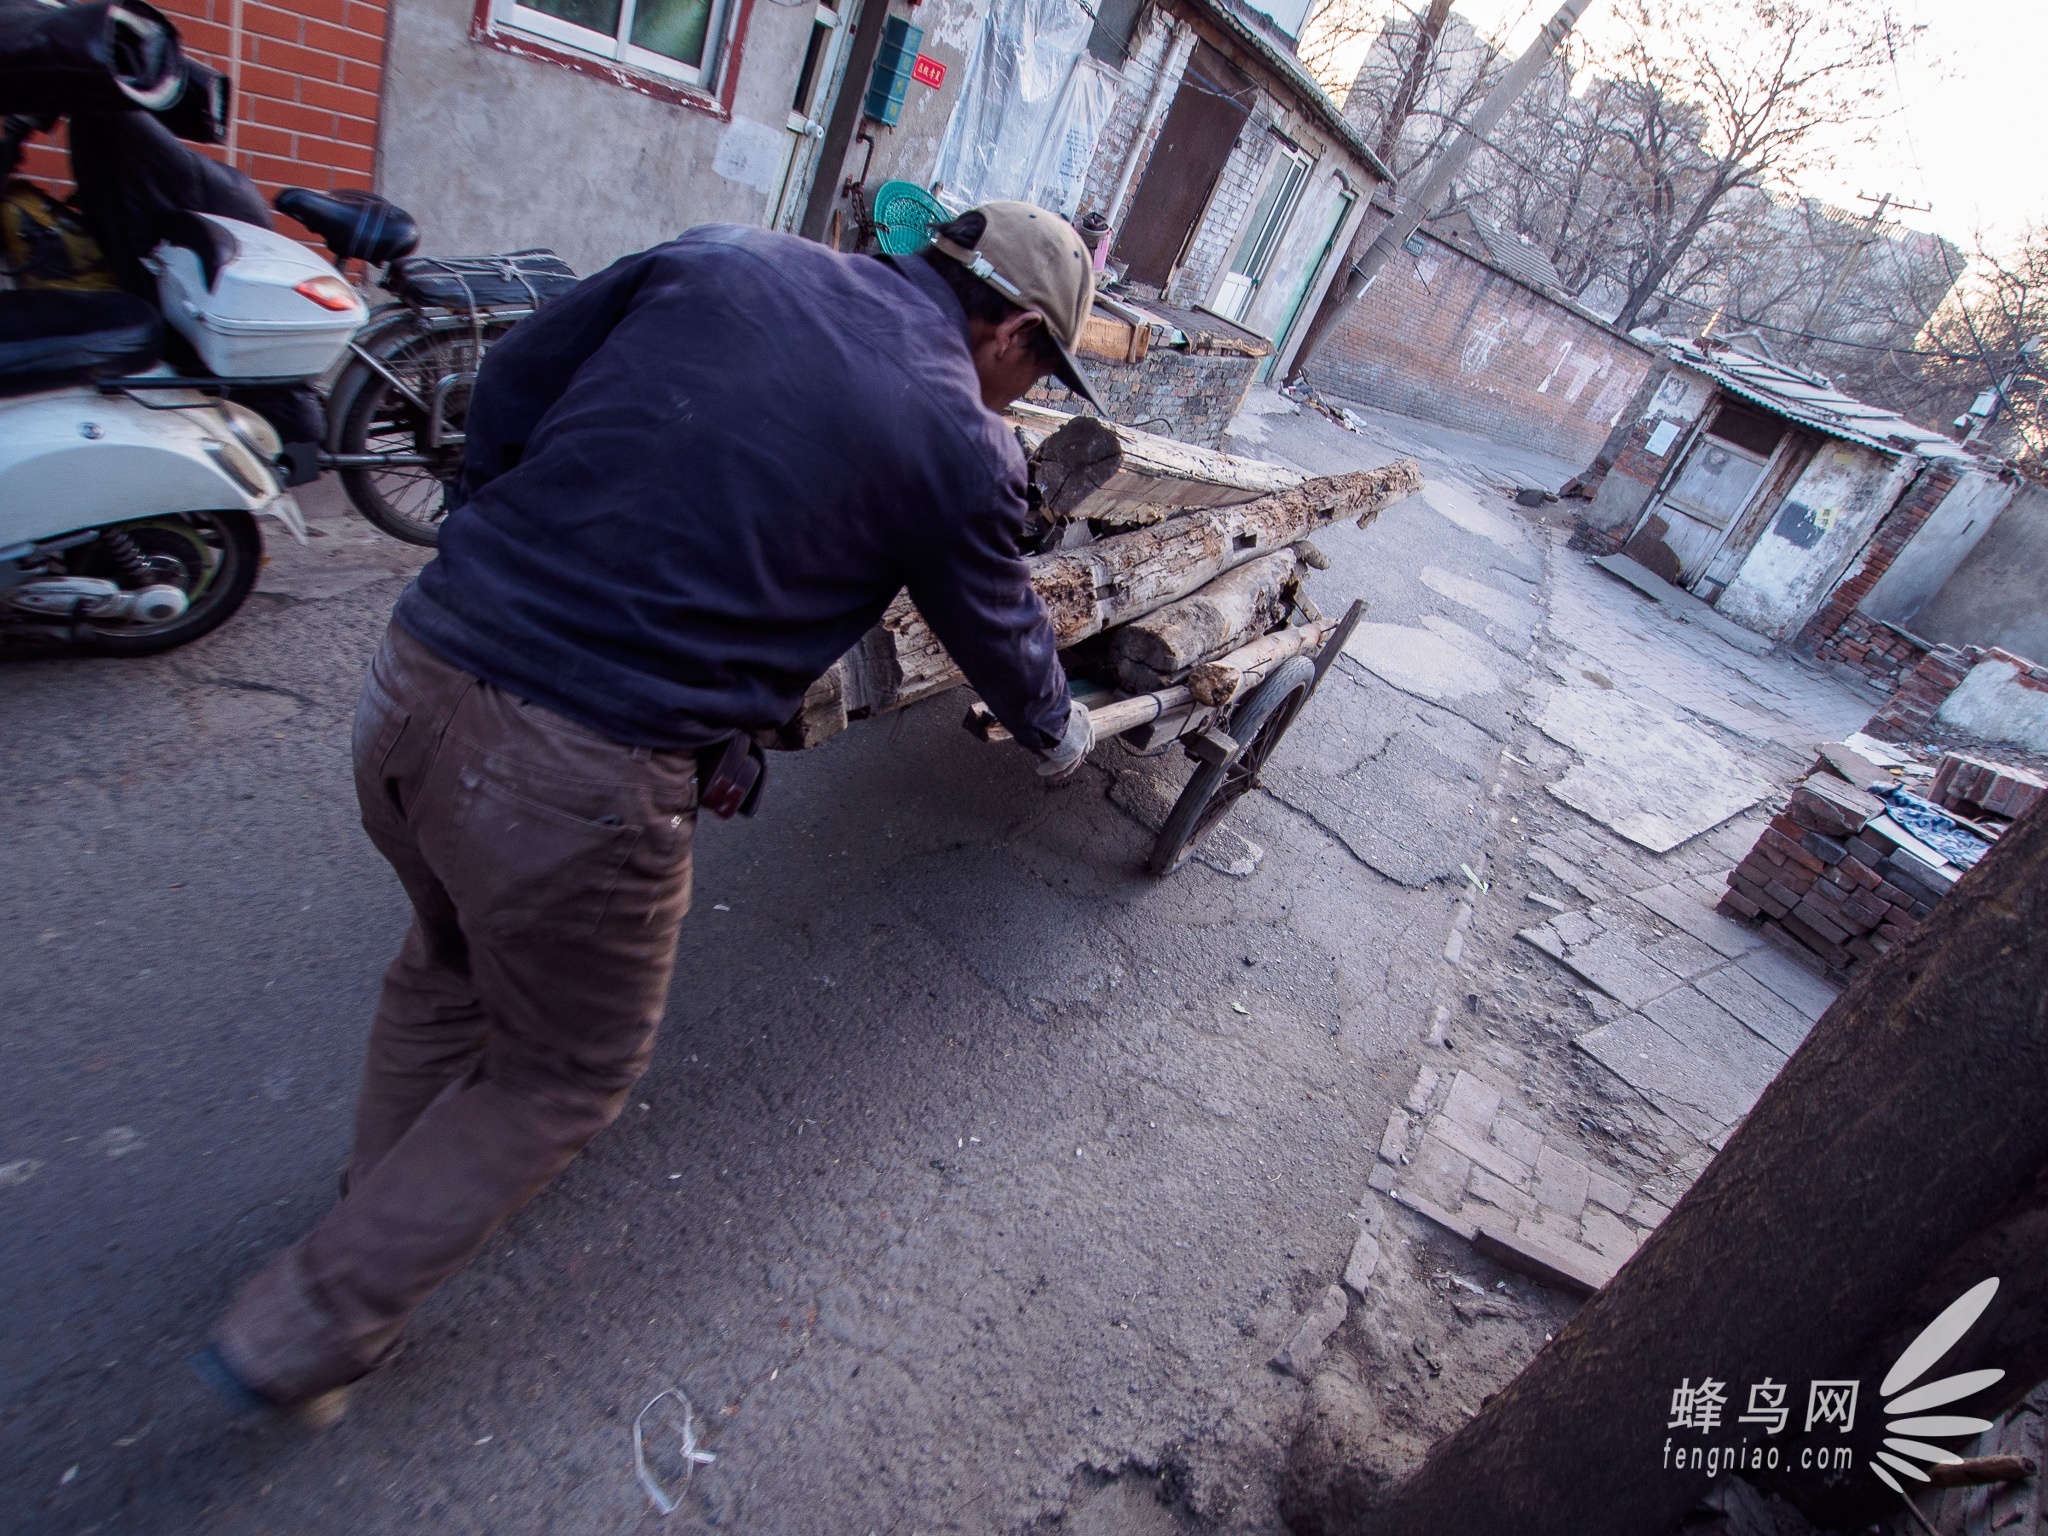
(1832,290)
(1369,253)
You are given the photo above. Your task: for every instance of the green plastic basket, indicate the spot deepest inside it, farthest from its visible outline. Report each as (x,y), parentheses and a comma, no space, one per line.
(904,214)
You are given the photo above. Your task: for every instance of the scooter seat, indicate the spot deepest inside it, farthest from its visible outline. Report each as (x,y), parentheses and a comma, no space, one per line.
(354,224)
(50,337)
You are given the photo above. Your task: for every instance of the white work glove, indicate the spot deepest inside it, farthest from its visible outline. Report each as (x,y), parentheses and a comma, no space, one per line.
(1056,762)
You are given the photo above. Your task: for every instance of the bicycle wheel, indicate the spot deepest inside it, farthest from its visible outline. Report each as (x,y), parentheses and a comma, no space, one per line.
(412,403)
(1256,725)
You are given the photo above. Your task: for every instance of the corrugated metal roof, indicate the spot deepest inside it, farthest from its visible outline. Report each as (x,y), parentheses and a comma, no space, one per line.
(1813,402)
(1512,253)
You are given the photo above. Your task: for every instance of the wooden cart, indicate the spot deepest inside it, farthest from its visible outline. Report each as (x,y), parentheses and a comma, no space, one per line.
(1172,578)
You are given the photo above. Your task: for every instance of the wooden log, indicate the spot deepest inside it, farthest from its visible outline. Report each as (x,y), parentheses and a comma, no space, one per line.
(1090,589)
(1978,1471)
(1223,681)
(1245,668)
(1163,647)
(1119,477)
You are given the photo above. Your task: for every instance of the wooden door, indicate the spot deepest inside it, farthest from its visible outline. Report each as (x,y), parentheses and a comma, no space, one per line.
(1200,130)
(1708,493)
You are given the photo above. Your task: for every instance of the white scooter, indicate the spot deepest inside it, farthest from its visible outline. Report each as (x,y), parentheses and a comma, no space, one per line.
(129,495)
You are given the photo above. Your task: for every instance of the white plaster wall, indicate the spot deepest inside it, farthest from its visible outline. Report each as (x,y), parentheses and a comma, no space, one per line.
(1841,496)
(909,151)
(1931,555)
(1996,702)
(492,152)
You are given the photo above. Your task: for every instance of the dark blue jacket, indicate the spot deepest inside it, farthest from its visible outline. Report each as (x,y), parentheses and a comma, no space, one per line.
(694,482)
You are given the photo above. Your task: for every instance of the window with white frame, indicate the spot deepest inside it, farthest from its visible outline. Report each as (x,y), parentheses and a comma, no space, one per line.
(677,39)
(1263,233)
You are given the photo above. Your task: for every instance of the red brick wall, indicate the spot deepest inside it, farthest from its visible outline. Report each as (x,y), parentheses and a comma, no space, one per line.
(1921,692)
(1819,637)
(306,114)
(1473,349)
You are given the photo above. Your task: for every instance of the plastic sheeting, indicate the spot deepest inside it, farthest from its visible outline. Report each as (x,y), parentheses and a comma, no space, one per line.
(1030,111)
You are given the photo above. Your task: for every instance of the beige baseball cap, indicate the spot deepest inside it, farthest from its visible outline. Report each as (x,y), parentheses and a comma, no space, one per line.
(1035,259)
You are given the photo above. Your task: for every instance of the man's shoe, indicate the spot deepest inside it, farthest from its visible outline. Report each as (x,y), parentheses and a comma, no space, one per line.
(321,1411)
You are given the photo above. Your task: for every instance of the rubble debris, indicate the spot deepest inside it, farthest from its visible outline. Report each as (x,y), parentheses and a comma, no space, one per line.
(1297,1357)
(1365,1253)
(1498,1182)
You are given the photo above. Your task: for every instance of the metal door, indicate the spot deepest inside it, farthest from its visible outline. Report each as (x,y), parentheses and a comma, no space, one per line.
(1338,215)
(1708,493)
(817,89)
(1200,130)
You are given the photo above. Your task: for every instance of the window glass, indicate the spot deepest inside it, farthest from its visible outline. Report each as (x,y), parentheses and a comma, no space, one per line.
(598,15)
(674,29)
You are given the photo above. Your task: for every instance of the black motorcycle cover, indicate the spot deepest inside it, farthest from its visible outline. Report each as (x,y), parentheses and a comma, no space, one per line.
(111,55)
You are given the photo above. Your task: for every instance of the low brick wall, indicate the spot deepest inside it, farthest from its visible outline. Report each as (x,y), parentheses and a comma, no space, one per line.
(1189,396)
(1882,652)
(1825,876)
(1921,690)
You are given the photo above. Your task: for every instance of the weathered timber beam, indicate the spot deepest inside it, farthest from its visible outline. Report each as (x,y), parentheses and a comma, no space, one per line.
(1244,668)
(1161,647)
(1223,681)
(1087,590)
(1119,477)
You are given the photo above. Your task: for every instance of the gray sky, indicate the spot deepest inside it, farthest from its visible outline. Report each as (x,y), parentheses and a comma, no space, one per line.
(1966,136)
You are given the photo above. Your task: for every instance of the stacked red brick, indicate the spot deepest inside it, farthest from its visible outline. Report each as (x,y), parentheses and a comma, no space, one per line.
(1837,884)
(1977,786)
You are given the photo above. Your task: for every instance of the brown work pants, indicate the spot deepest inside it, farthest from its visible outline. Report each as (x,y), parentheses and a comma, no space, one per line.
(549,870)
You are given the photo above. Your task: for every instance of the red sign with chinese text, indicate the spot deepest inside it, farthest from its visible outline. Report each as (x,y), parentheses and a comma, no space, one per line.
(928,71)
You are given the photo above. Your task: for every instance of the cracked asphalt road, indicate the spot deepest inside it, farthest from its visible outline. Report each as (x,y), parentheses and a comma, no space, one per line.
(974,1163)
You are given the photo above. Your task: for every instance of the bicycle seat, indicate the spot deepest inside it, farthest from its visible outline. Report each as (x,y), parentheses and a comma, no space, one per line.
(352,223)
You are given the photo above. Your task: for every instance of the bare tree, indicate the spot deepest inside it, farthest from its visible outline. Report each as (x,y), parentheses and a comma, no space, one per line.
(1732,100)
(1987,337)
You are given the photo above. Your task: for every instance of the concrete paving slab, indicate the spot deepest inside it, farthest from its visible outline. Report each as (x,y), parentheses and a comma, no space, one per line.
(1639,1051)
(1683,604)
(1713,1034)
(1791,980)
(1759,1008)
(1455,504)
(1681,907)
(1421,663)
(1514,610)
(1653,779)
(1686,955)
(1617,967)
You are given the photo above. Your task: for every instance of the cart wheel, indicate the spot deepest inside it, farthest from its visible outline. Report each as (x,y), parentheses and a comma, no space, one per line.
(1257,724)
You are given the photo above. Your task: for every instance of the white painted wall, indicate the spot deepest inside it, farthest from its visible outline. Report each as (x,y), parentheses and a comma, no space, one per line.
(1996,702)
(491,152)
(1931,555)
(1826,519)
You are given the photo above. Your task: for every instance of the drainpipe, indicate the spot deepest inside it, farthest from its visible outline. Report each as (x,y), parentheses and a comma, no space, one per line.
(1178,34)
